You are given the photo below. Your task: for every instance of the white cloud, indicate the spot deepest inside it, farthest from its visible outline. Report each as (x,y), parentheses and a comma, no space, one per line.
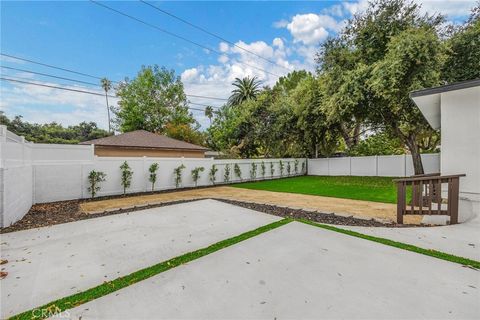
(311,28)
(280,24)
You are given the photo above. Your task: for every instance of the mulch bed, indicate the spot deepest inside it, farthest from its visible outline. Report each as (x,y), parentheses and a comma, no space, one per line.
(315,216)
(47,214)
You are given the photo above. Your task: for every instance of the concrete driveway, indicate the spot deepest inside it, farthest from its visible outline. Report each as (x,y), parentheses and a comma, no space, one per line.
(49,263)
(299,272)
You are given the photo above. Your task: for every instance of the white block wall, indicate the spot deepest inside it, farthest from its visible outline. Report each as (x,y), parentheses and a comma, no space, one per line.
(383,166)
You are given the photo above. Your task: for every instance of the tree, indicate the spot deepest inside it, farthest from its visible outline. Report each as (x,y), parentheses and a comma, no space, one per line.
(152,100)
(209,113)
(107,85)
(94,180)
(386,52)
(53,132)
(463,61)
(196,174)
(153,174)
(245,89)
(126,176)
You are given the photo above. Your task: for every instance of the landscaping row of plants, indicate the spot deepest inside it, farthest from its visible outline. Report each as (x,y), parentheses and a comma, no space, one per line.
(286,168)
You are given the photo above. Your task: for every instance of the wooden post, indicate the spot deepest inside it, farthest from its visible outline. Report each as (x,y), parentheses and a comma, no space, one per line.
(400,201)
(453,191)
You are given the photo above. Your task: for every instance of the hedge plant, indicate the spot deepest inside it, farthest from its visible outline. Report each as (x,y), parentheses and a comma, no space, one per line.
(295,166)
(289,168)
(196,174)
(94,179)
(126,178)
(272,169)
(226,174)
(212,173)
(253,171)
(262,169)
(238,171)
(281,165)
(177,172)
(153,174)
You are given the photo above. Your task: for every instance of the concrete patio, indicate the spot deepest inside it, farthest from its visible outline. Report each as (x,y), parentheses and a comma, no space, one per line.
(294,271)
(299,272)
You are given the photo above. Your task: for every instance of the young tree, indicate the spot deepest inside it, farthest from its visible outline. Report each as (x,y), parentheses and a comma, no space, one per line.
(262,169)
(253,171)
(272,169)
(177,172)
(226,173)
(238,171)
(94,179)
(281,166)
(126,176)
(153,174)
(196,174)
(213,173)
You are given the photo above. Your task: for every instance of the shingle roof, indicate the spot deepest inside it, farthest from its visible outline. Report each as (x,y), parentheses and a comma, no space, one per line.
(144,139)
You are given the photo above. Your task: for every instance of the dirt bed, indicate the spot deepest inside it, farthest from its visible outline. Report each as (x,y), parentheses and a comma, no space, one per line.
(42,215)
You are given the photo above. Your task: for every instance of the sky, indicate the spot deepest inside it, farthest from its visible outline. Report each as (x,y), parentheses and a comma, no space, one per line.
(85,37)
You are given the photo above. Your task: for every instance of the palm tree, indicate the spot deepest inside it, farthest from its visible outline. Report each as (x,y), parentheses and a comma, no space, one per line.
(246,89)
(107,85)
(209,113)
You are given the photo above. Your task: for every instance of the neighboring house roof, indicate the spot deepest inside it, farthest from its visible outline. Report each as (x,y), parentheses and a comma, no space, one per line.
(144,139)
(428,100)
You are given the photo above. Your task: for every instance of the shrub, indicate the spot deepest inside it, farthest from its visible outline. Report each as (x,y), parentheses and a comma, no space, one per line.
(253,171)
(196,174)
(153,174)
(272,169)
(127,174)
(226,173)
(281,165)
(262,169)
(178,175)
(212,173)
(238,171)
(303,167)
(289,168)
(94,179)
(295,166)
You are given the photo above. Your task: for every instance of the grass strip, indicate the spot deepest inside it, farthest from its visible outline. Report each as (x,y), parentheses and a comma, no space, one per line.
(57,306)
(428,252)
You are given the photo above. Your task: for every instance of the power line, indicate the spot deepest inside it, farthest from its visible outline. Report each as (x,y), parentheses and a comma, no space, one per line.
(10,79)
(54,67)
(51,76)
(175,35)
(80,81)
(211,33)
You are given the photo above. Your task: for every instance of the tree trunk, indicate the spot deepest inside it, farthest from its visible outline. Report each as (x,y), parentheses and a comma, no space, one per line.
(416,156)
(108,112)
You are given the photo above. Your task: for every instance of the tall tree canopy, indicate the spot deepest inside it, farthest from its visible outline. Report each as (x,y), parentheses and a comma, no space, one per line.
(53,132)
(245,89)
(384,53)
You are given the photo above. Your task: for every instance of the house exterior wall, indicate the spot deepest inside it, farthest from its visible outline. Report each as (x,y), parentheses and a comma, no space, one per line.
(460,130)
(140,152)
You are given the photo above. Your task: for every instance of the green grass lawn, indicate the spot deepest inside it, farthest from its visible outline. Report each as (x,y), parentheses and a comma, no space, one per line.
(378,189)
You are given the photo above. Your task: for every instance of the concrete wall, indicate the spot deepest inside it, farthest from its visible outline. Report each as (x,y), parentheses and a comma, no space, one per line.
(383,166)
(460,128)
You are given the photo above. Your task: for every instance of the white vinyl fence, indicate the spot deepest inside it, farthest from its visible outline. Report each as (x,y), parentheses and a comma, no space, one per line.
(38,173)
(382,166)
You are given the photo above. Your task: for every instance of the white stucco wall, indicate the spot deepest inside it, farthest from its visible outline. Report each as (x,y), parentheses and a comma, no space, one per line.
(460,129)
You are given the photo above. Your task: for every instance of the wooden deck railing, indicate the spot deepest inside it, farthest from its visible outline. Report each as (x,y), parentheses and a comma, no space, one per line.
(426,190)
